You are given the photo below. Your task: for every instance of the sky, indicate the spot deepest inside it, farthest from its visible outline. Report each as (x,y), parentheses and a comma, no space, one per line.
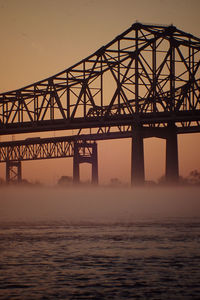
(43,37)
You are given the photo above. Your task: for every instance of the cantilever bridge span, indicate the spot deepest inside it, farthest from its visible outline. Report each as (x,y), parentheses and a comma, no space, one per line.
(145,82)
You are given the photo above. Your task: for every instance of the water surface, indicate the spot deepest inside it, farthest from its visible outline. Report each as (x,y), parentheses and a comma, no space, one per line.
(99,244)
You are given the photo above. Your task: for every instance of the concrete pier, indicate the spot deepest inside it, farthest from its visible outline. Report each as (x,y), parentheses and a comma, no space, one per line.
(76,161)
(94,162)
(172,169)
(137,157)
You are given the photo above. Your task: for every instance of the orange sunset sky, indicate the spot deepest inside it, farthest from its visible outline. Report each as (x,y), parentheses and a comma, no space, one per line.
(43,37)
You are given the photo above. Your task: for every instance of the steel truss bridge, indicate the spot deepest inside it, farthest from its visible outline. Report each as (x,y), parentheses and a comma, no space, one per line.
(144,83)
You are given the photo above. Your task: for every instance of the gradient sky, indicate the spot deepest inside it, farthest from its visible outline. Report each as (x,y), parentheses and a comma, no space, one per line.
(42,37)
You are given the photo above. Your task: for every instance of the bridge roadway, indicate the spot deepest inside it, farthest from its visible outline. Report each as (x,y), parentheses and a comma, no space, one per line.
(83,148)
(148,119)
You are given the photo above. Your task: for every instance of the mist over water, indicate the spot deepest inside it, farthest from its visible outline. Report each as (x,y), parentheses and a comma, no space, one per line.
(99,243)
(110,205)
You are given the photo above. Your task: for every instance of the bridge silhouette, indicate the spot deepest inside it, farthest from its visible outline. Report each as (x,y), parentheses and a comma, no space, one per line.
(144,83)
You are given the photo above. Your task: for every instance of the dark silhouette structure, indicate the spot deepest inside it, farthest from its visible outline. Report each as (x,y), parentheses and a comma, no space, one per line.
(13,171)
(144,83)
(85,152)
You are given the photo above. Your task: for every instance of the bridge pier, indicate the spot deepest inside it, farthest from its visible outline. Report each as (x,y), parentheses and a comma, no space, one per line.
(137,157)
(13,171)
(76,171)
(172,169)
(94,162)
(85,152)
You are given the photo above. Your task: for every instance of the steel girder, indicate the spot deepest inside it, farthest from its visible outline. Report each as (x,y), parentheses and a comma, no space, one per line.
(36,149)
(148,75)
(61,147)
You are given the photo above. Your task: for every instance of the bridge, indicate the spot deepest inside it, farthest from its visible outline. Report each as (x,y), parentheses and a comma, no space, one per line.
(144,83)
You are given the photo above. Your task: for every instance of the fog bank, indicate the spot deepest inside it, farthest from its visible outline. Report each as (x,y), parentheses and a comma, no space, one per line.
(98,204)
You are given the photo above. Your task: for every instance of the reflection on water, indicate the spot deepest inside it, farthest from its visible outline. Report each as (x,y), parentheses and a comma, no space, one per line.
(99,244)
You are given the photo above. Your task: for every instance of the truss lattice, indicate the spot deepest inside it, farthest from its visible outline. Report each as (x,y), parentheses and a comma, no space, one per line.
(148,75)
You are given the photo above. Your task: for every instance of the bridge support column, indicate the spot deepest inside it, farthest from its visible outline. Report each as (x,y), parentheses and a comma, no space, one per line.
(85,152)
(137,158)
(94,161)
(172,171)
(76,171)
(13,171)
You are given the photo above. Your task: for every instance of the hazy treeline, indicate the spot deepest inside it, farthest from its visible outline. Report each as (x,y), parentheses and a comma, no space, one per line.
(193,179)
